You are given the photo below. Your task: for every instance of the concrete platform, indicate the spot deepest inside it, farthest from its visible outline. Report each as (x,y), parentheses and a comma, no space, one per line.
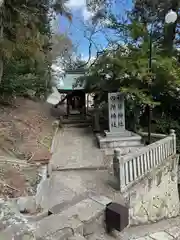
(126,141)
(118,134)
(109,152)
(84,183)
(116,140)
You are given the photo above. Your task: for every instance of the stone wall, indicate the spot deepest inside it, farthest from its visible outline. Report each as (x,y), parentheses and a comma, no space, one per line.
(156,196)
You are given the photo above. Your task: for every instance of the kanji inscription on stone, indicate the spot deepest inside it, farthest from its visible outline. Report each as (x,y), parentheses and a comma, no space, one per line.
(113,106)
(120,115)
(116,112)
(119,106)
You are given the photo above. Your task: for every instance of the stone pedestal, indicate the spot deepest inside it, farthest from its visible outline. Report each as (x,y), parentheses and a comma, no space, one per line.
(118,136)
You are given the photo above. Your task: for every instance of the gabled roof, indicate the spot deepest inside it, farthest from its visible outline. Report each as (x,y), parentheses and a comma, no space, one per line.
(68,82)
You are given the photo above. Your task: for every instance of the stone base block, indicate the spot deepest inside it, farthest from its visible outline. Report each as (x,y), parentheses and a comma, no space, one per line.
(81,218)
(124,133)
(124,150)
(126,141)
(60,224)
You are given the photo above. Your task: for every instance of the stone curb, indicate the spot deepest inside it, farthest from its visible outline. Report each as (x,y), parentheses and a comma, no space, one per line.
(79,169)
(53,139)
(38,217)
(49,167)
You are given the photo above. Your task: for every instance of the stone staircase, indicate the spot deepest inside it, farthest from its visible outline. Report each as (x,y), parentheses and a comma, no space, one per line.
(76,221)
(76,120)
(79,220)
(149,171)
(68,225)
(126,141)
(76,199)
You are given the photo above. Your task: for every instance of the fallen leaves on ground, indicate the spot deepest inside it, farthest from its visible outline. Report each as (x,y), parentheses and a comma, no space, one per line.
(25,134)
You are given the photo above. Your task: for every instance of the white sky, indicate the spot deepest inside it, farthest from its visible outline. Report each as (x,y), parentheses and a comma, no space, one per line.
(81,6)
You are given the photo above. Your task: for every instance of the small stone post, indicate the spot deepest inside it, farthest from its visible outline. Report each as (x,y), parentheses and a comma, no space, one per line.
(173,134)
(118,166)
(116,158)
(122,174)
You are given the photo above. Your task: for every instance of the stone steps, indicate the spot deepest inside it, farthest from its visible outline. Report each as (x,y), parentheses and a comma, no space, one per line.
(126,141)
(125,150)
(76,122)
(115,143)
(77,125)
(68,203)
(81,219)
(75,119)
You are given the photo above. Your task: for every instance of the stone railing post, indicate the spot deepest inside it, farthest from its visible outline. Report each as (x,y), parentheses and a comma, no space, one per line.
(118,165)
(116,168)
(173,134)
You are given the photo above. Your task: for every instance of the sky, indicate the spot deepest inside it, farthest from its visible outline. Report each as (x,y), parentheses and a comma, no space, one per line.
(77,30)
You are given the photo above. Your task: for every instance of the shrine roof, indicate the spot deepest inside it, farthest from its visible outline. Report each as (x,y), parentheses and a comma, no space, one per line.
(68,82)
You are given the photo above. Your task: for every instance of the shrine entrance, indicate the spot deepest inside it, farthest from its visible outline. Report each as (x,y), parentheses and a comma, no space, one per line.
(76,103)
(74,98)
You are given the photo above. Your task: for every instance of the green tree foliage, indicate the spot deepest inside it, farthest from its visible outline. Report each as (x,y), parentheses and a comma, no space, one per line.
(25,45)
(166,42)
(125,66)
(147,10)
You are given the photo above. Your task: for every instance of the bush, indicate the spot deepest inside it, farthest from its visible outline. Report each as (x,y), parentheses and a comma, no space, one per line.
(163,125)
(21,76)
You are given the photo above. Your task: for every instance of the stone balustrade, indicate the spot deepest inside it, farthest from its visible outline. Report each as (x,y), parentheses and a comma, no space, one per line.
(129,169)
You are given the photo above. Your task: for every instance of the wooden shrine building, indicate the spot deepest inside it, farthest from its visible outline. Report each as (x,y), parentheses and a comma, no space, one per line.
(74,96)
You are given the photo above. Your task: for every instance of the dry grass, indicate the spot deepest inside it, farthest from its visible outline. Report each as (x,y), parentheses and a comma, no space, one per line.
(25,134)
(25,128)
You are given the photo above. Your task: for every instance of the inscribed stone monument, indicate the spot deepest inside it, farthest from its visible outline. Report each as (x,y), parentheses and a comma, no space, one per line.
(116,112)
(117,136)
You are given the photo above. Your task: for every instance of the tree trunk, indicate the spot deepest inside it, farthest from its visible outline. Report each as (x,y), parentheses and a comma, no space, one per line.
(1,38)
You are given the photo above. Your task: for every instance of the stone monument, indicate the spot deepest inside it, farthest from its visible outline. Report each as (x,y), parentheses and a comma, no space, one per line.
(117,136)
(116,115)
